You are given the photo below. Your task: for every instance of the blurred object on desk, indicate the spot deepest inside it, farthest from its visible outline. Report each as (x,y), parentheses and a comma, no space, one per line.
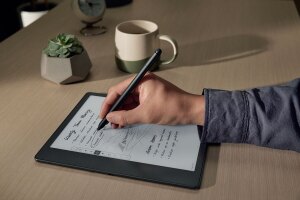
(33,10)
(9,17)
(117,3)
(90,13)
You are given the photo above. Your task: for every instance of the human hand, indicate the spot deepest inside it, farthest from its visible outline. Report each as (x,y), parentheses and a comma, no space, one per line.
(153,101)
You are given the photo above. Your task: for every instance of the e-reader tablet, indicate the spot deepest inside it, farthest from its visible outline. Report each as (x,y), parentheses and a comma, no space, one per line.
(164,154)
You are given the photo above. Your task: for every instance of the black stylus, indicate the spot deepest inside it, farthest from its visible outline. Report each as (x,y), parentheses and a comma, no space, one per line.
(154,58)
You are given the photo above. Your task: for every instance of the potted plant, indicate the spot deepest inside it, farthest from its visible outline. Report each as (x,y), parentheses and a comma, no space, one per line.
(65,60)
(31,11)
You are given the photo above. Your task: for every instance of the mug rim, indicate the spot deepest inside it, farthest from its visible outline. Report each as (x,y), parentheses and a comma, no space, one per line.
(155,27)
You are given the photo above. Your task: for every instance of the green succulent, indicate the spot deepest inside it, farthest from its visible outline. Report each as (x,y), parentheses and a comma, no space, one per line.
(63,46)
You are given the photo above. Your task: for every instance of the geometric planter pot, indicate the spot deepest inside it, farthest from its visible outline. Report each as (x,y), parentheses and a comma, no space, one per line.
(65,70)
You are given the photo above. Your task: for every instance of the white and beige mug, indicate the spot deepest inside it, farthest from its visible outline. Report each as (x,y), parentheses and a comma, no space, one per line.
(135,43)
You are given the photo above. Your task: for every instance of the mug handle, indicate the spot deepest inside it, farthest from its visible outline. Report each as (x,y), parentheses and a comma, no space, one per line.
(174,45)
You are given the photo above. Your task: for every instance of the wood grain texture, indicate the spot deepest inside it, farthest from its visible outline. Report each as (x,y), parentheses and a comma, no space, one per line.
(234,44)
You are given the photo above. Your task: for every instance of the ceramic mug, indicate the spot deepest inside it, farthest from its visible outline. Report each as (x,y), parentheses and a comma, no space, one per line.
(135,43)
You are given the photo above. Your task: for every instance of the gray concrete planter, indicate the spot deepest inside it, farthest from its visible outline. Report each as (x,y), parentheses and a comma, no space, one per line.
(65,70)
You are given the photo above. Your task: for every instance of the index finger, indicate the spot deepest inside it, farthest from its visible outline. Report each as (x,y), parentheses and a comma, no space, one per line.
(113,94)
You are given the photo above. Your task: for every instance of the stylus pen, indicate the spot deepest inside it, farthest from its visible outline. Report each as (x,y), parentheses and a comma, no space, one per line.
(154,58)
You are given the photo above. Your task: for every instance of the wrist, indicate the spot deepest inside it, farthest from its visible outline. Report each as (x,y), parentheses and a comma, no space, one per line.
(196,110)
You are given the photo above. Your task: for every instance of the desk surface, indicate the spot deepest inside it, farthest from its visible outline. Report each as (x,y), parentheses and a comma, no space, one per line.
(233,44)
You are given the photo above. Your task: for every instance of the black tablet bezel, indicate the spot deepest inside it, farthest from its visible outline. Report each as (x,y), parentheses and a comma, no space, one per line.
(106,165)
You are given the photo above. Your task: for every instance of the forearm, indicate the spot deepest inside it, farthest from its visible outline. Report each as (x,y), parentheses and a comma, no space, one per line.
(268,116)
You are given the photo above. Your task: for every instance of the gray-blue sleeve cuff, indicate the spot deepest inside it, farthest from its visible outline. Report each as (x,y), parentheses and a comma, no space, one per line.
(226,116)
(266,116)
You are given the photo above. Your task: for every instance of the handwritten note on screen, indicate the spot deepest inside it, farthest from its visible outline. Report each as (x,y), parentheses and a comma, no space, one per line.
(167,146)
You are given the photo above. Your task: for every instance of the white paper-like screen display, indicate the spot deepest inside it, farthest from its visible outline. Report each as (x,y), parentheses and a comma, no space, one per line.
(167,146)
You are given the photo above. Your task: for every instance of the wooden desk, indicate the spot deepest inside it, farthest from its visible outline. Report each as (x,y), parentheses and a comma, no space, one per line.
(232,44)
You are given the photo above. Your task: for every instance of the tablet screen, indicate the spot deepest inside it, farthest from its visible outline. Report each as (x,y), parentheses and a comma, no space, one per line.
(167,146)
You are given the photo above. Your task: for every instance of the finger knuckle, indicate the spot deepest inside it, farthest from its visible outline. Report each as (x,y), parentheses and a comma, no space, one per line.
(123,120)
(149,117)
(110,90)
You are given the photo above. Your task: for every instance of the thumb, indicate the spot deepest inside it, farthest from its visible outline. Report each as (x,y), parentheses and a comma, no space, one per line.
(124,117)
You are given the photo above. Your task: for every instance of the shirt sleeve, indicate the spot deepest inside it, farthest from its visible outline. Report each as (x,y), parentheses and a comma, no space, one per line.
(267,116)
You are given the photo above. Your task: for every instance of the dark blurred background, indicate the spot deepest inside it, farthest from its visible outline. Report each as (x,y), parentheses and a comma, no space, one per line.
(9,19)
(10,22)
